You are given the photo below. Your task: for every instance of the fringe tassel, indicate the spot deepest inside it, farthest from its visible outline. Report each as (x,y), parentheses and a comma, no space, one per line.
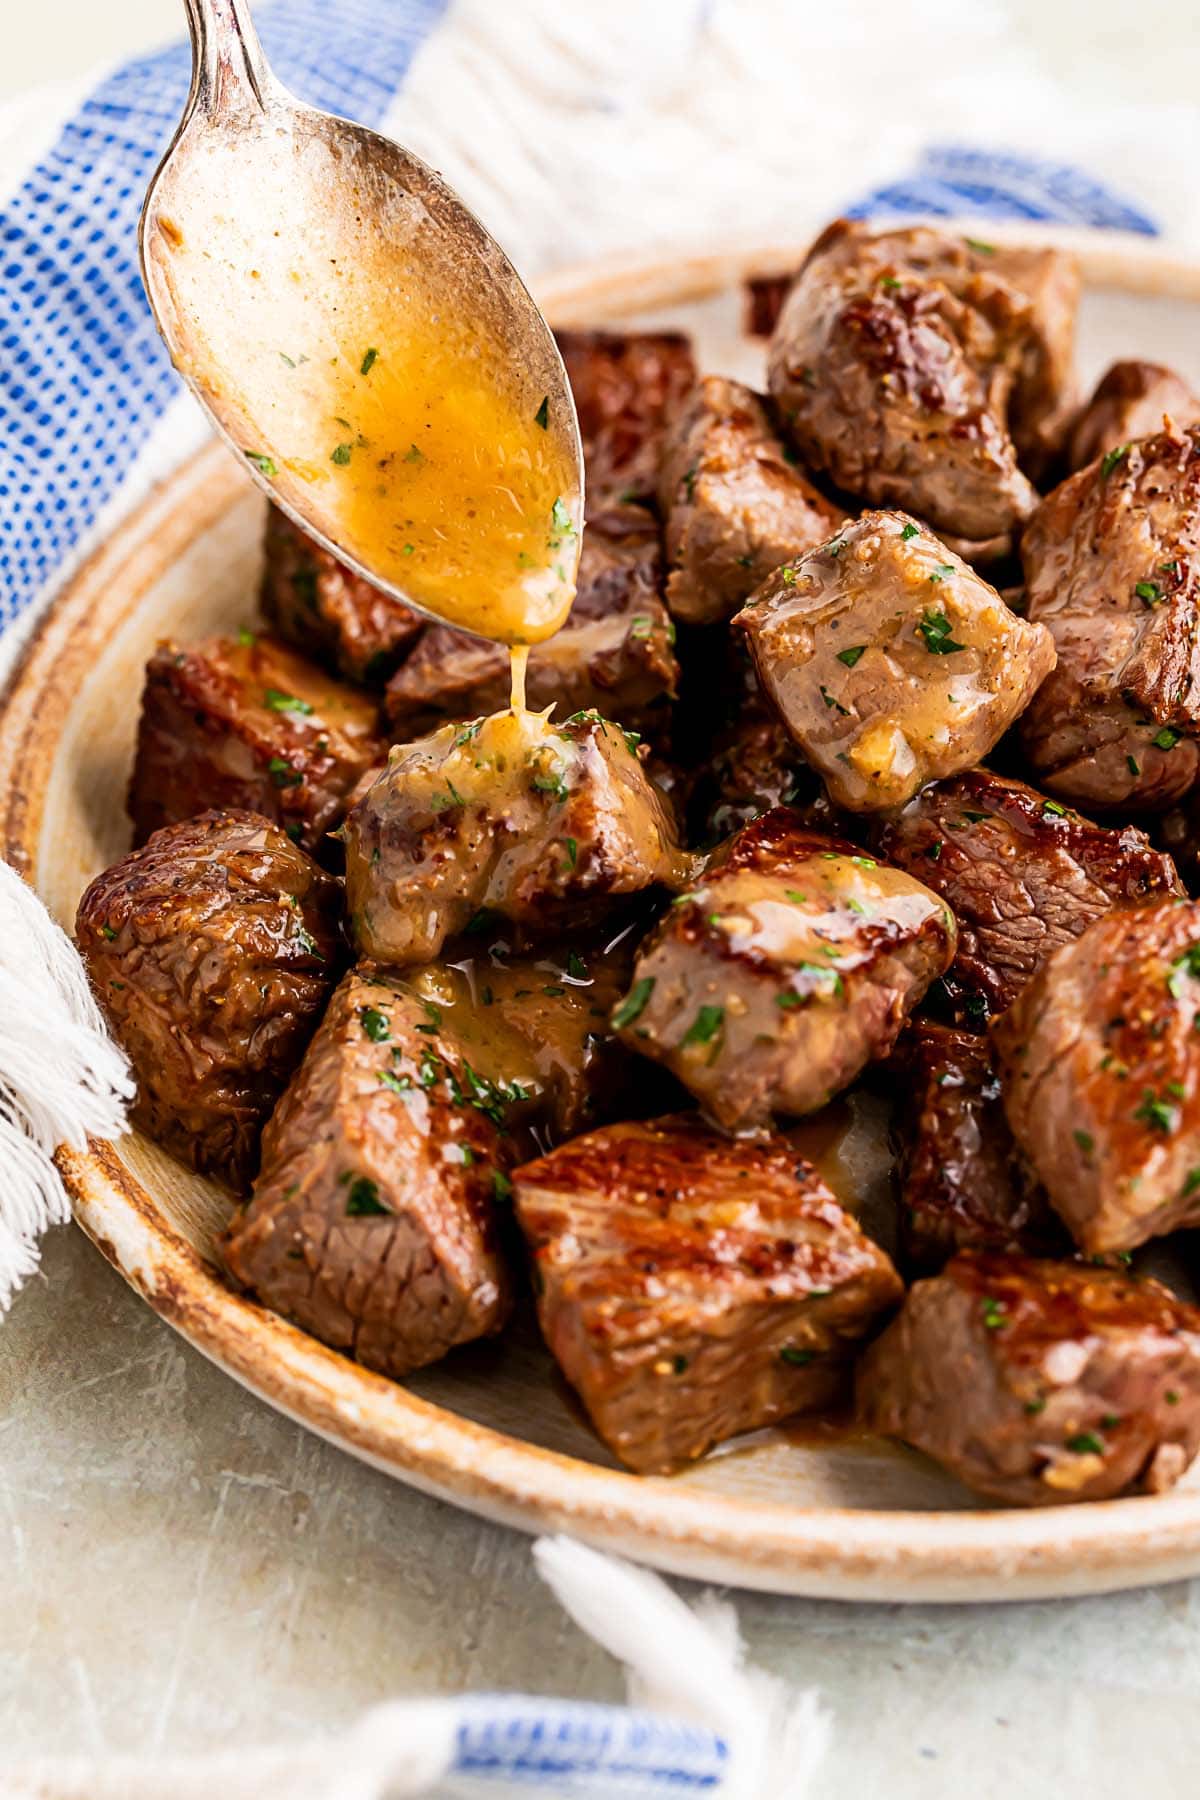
(62,1079)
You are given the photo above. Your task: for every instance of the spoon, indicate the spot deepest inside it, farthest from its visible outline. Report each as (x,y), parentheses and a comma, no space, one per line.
(365,345)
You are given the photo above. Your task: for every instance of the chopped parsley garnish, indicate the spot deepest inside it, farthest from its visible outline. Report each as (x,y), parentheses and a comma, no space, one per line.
(935,630)
(501,1187)
(705,1026)
(1109,461)
(1156,1113)
(1086,1141)
(1086,1443)
(1166,739)
(363,1200)
(995,1314)
(640,626)
(634,1004)
(851,656)
(108,932)
(1149,591)
(282,774)
(560,518)
(542,415)
(576,967)
(908,531)
(679,1364)
(889,282)
(1192,1182)
(829,700)
(978,245)
(571,846)
(1032,1407)
(414,454)
(1053,806)
(340,454)
(399,1084)
(368,362)
(942,572)
(264,464)
(797,1358)
(280,702)
(1133,765)
(374,1023)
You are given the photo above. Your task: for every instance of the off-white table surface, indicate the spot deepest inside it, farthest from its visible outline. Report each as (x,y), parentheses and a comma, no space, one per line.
(180,1565)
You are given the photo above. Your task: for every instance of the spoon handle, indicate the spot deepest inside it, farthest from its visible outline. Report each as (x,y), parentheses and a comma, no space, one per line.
(229,71)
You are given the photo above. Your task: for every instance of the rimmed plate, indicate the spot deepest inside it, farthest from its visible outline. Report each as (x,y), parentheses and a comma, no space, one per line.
(492,1429)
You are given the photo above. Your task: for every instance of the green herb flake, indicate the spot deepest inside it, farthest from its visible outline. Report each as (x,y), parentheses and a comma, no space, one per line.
(1086,1443)
(1149,591)
(340,454)
(935,630)
(108,931)
(374,1024)
(797,1359)
(1033,1407)
(571,846)
(679,1364)
(995,1314)
(1156,1113)
(363,1200)
(1086,1141)
(282,774)
(368,362)
(414,454)
(1133,765)
(851,656)
(1053,806)
(909,531)
(980,247)
(1166,739)
(634,1004)
(502,1187)
(542,416)
(1109,461)
(560,518)
(705,1026)
(280,702)
(265,465)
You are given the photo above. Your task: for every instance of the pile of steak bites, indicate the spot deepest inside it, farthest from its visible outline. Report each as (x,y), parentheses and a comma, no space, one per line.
(449,994)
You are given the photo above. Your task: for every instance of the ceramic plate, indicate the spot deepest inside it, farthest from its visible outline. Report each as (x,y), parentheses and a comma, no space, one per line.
(493,1428)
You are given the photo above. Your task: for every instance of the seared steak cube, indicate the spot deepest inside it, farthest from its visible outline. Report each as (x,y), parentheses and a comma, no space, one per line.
(963,1182)
(212,951)
(509,816)
(245,722)
(1112,568)
(793,962)
(319,604)
(691,1287)
(1131,401)
(373,1220)
(894,362)
(1100,1059)
(1022,874)
(536,1026)
(615,651)
(734,506)
(1039,1383)
(891,662)
(625,386)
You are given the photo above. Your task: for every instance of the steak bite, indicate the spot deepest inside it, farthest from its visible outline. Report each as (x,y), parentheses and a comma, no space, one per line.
(734,506)
(791,965)
(625,386)
(1100,1058)
(327,610)
(212,951)
(1131,401)
(899,359)
(890,661)
(1022,874)
(245,722)
(1112,568)
(615,651)
(963,1183)
(1039,1383)
(535,1027)
(691,1287)
(545,826)
(372,1223)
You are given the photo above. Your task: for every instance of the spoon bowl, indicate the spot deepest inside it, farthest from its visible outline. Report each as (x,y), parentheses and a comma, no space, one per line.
(365,345)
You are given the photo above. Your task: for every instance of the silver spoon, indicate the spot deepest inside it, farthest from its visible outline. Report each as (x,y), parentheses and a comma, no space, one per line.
(359,338)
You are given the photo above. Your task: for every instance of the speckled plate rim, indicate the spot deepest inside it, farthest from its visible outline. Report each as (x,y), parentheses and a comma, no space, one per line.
(834,1552)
